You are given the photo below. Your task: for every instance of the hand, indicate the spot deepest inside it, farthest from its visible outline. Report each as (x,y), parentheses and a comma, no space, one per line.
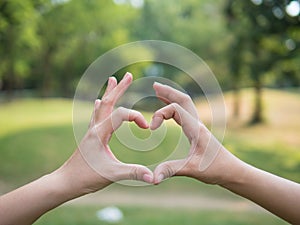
(93,166)
(207,161)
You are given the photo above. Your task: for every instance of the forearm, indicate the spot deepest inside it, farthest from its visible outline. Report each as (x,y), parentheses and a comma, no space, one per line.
(73,179)
(276,194)
(26,204)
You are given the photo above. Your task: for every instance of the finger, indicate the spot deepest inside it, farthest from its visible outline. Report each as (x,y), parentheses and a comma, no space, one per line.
(180,115)
(170,95)
(118,117)
(122,86)
(134,172)
(167,169)
(109,100)
(96,106)
(111,84)
(165,113)
(172,111)
(122,114)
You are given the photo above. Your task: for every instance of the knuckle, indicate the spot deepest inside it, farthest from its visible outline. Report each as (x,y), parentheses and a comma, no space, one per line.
(120,109)
(106,101)
(158,112)
(137,113)
(186,98)
(171,95)
(133,173)
(168,171)
(175,105)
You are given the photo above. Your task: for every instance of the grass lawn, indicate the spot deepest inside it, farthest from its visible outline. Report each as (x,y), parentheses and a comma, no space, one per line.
(275,145)
(76,215)
(36,136)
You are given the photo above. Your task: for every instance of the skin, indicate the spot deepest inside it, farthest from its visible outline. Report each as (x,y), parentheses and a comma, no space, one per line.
(276,194)
(76,177)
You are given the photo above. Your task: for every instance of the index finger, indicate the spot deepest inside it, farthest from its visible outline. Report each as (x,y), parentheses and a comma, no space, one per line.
(181,117)
(119,90)
(170,95)
(111,97)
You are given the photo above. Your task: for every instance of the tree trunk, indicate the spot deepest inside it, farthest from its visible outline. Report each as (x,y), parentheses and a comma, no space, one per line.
(9,81)
(65,86)
(9,76)
(258,108)
(45,72)
(236,102)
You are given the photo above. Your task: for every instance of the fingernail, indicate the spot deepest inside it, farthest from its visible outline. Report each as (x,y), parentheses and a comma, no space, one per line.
(152,124)
(109,81)
(155,123)
(160,178)
(97,102)
(156,83)
(148,178)
(146,125)
(127,75)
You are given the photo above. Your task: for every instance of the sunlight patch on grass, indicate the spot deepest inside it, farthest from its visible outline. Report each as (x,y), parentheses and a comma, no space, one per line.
(22,114)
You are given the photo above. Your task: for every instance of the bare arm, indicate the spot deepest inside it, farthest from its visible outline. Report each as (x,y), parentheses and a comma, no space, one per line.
(278,195)
(80,175)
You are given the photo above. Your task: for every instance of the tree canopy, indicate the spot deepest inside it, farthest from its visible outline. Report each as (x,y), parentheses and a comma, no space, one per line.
(265,44)
(46,45)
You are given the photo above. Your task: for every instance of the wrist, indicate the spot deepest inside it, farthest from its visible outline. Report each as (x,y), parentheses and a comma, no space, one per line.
(76,178)
(226,169)
(60,186)
(236,175)
(53,188)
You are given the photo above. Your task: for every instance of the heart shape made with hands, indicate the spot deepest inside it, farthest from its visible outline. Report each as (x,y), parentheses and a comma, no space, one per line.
(106,120)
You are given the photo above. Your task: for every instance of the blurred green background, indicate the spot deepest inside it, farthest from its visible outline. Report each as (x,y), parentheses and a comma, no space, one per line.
(252,47)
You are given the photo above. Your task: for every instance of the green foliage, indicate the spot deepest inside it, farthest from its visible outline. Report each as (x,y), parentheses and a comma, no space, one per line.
(18,37)
(47,45)
(53,42)
(196,25)
(63,37)
(264,34)
(86,30)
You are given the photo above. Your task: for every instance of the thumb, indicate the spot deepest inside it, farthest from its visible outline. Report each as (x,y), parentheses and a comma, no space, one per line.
(135,172)
(167,169)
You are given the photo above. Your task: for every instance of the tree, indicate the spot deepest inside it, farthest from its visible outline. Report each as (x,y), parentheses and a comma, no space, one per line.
(73,34)
(196,25)
(47,44)
(18,38)
(261,26)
